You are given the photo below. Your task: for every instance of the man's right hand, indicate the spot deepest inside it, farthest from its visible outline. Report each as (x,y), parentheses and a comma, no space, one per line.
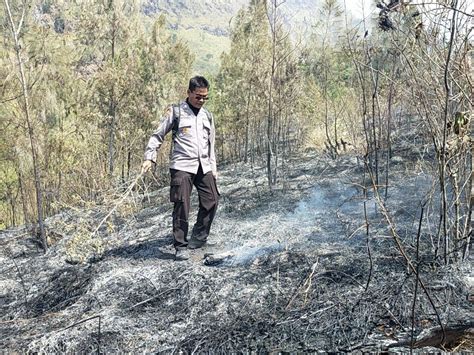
(146,166)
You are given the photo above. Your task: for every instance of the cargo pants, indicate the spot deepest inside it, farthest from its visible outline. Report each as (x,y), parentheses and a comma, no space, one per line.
(180,194)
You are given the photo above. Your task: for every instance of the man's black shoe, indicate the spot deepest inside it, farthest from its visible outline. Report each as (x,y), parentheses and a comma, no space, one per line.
(182,254)
(195,243)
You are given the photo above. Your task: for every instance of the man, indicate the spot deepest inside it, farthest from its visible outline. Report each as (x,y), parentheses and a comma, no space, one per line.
(192,162)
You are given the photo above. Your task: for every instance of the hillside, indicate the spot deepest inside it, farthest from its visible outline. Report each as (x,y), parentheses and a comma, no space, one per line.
(345,178)
(291,271)
(206,25)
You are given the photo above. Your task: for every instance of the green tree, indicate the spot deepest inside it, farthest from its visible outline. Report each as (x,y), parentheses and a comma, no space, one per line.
(241,85)
(98,78)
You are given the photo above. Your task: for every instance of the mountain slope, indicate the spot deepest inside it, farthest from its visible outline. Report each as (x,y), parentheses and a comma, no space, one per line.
(206,25)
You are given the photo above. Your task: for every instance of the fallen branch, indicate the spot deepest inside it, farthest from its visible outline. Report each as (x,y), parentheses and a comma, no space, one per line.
(82,321)
(153,298)
(124,195)
(306,284)
(441,337)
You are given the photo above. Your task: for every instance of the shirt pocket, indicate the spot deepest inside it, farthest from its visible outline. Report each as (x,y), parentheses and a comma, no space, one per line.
(184,128)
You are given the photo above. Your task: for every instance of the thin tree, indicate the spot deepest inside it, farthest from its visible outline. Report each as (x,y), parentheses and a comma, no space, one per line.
(25,106)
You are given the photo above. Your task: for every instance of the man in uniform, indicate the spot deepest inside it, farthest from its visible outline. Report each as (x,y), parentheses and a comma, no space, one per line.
(192,162)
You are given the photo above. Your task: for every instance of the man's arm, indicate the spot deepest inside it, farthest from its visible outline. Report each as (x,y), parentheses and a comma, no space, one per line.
(157,138)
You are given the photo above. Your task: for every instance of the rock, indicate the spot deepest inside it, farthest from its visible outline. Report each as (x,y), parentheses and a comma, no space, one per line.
(217,259)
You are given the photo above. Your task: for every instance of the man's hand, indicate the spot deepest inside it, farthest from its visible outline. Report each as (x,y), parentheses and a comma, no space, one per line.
(214,173)
(146,166)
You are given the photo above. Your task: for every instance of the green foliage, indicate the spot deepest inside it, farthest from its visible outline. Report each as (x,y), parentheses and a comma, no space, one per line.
(83,63)
(331,76)
(205,47)
(242,82)
(260,88)
(9,190)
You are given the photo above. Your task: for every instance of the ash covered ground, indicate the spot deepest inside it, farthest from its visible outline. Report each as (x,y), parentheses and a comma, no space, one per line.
(291,270)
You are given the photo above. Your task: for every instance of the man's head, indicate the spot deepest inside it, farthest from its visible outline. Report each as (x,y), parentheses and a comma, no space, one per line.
(198,91)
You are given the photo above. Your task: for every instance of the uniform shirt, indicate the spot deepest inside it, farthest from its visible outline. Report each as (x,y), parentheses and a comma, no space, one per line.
(193,144)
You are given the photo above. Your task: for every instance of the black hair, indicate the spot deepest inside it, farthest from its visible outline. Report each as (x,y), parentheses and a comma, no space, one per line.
(198,82)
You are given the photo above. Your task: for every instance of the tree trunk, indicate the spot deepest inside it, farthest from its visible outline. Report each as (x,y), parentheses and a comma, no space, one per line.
(26,112)
(443,180)
(112,110)
(247,124)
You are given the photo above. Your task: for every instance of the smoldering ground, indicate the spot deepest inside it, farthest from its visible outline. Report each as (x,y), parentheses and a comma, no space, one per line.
(311,266)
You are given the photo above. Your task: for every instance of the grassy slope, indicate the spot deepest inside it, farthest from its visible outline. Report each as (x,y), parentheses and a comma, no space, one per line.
(204,26)
(207,48)
(197,23)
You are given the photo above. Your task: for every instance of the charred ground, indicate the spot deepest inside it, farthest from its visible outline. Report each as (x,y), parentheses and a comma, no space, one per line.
(292,270)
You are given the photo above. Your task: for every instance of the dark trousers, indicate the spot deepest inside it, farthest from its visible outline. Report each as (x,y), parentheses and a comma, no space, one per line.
(180,194)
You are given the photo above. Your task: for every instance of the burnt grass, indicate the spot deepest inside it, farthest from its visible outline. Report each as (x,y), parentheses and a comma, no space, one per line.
(292,270)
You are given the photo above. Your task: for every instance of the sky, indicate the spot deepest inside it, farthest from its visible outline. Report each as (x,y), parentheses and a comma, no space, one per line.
(358,7)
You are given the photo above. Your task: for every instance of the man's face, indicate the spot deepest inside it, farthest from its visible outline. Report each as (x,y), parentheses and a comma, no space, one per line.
(198,97)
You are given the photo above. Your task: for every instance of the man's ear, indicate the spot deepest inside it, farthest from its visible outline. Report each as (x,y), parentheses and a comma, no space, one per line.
(188,92)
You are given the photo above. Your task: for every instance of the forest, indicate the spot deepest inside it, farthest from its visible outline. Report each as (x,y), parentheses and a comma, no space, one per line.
(85,82)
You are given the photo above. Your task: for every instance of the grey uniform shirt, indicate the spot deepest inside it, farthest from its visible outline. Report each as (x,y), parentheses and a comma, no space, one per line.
(193,144)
